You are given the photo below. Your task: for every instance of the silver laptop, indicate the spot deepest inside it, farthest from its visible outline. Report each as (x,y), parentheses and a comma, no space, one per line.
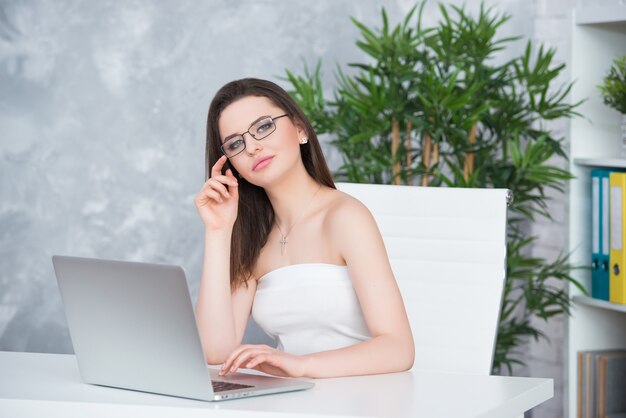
(133,327)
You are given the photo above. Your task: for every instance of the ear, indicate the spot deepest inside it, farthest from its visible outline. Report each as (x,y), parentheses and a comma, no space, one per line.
(302,133)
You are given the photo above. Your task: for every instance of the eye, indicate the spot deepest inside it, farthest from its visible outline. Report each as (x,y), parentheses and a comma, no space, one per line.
(264,126)
(234,144)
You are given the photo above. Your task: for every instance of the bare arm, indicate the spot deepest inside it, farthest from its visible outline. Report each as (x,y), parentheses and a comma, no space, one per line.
(391,347)
(220,314)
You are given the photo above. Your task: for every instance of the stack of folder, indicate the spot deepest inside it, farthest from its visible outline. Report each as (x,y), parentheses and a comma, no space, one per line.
(601,383)
(608,250)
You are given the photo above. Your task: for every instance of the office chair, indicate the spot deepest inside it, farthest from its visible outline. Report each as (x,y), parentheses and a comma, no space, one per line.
(447,248)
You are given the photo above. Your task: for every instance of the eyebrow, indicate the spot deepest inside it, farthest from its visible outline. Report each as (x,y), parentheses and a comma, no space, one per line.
(255,121)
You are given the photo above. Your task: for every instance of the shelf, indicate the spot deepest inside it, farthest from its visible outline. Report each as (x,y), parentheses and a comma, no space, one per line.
(597,303)
(598,37)
(601,162)
(601,15)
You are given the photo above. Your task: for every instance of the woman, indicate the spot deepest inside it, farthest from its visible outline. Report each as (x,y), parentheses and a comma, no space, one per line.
(281,243)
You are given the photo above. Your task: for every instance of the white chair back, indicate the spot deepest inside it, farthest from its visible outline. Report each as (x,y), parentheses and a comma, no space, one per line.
(447,248)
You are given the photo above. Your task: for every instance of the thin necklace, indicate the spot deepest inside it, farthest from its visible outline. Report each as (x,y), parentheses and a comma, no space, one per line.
(283,240)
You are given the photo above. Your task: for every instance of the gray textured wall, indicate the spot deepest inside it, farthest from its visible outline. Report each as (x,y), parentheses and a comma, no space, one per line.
(102,114)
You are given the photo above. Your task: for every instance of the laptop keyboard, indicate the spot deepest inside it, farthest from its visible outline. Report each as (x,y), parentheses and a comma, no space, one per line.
(224,386)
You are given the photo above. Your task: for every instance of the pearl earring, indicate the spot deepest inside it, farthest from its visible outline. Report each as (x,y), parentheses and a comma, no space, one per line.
(304,140)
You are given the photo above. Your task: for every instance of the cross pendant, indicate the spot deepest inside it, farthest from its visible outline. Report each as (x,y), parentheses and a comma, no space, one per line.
(283,242)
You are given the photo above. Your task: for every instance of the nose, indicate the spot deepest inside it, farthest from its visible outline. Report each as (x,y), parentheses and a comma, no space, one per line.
(252,145)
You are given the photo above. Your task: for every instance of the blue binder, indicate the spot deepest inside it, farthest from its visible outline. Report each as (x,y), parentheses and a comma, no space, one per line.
(600,234)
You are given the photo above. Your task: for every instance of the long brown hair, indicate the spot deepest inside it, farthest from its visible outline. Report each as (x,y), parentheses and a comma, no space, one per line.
(255,216)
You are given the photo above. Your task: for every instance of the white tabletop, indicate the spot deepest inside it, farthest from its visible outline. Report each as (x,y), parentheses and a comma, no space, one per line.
(35,385)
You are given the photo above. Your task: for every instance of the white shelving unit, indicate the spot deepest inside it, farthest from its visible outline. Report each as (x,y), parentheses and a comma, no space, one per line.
(598,36)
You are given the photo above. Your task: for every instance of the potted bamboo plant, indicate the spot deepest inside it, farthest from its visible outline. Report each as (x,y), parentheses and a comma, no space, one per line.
(431,107)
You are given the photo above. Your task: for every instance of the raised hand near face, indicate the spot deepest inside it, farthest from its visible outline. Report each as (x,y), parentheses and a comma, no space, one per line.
(218,199)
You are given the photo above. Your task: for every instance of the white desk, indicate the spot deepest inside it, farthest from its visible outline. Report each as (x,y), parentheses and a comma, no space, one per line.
(38,385)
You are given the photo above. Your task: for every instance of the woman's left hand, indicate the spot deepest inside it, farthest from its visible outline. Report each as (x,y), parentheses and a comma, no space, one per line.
(264,358)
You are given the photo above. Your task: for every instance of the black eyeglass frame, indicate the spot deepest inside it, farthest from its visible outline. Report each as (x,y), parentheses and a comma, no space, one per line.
(272,118)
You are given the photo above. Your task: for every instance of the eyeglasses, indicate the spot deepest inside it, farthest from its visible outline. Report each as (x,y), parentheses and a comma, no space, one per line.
(260,129)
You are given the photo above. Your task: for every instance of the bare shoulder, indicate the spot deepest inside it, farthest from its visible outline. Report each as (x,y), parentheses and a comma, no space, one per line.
(347,214)
(355,236)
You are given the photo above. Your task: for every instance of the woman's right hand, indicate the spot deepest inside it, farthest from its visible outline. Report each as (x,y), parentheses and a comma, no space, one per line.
(217,204)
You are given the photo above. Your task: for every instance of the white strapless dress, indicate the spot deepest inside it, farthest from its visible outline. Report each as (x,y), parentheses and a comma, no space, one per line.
(309,308)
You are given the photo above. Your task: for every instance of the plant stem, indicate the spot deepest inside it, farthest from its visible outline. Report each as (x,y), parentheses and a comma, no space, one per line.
(409,176)
(426,151)
(468,169)
(395,144)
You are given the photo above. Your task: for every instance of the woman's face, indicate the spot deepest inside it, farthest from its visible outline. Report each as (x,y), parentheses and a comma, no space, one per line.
(263,161)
